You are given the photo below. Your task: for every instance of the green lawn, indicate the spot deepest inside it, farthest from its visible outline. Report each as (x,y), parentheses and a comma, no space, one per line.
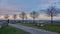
(47,27)
(11,30)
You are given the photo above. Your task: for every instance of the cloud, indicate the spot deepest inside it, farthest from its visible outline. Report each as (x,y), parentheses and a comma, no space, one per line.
(47,3)
(13,7)
(6,8)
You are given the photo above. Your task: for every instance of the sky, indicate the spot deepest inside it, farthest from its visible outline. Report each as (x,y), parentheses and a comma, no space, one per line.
(18,6)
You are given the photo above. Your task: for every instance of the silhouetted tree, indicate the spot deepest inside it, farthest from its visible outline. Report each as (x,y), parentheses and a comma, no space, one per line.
(7,18)
(23,16)
(52,11)
(14,16)
(34,15)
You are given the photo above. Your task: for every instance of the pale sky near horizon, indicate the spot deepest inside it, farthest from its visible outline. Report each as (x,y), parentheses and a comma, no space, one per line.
(17,6)
(40,17)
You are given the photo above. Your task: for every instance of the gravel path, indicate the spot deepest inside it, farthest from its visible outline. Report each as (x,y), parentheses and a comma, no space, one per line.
(32,30)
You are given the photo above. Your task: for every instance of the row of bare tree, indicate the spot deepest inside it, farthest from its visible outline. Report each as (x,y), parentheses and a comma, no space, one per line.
(50,12)
(23,15)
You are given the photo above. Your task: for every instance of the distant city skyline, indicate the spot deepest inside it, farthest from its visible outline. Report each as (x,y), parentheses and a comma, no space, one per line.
(17,6)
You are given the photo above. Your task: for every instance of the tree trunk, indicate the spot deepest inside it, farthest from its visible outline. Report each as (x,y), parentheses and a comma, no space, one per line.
(14,21)
(51,19)
(23,20)
(7,21)
(33,20)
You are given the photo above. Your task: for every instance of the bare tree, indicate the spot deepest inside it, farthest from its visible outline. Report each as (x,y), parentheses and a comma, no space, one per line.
(7,17)
(34,15)
(52,11)
(23,16)
(14,16)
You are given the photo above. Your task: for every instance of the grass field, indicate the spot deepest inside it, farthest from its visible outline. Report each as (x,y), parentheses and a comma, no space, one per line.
(47,27)
(11,30)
